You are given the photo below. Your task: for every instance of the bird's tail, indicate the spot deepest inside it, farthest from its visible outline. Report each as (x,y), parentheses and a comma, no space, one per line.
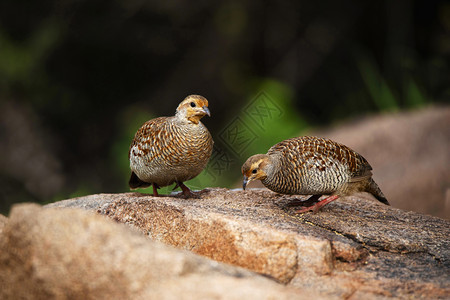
(374,189)
(135,182)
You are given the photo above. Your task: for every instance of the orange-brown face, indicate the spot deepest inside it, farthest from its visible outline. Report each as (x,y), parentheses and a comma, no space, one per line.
(253,168)
(194,107)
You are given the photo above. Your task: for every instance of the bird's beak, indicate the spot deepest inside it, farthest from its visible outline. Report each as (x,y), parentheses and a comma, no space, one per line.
(244,183)
(206,110)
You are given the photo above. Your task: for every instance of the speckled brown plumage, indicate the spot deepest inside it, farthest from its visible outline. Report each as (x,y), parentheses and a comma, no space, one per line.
(312,166)
(169,150)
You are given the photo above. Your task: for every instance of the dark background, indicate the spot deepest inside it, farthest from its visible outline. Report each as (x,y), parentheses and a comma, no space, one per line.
(77,78)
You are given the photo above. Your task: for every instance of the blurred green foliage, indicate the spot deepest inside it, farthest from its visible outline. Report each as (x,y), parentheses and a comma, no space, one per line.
(377,86)
(22,63)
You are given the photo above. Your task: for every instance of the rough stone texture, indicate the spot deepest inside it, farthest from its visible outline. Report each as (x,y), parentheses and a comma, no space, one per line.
(409,153)
(73,254)
(353,248)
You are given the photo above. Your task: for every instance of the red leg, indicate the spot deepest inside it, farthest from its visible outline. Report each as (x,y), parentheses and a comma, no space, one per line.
(318,205)
(155,189)
(186,191)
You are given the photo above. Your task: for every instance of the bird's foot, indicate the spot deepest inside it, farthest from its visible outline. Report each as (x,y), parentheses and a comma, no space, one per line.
(315,208)
(187,193)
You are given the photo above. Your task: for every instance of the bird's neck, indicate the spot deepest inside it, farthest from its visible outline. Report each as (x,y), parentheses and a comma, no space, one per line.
(273,173)
(183,117)
(272,166)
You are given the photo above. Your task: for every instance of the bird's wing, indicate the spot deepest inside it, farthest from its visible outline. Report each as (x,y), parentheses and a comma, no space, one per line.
(324,153)
(154,136)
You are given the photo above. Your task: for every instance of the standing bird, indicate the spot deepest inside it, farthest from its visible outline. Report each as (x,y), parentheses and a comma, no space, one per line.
(312,166)
(169,150)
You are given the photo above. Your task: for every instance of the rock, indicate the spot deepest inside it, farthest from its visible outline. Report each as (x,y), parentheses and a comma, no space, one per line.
(354,247)
(409,153)
(71,253)
(3,221)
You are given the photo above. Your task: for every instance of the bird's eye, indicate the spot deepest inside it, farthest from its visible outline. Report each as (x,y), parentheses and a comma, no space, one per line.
(254,171)
(193,104)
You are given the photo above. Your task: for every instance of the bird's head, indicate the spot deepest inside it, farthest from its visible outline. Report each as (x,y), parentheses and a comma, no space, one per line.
(193,108)
(255,168)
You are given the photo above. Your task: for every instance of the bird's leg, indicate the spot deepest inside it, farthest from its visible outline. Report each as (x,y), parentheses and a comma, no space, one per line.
(177,185)
(186,191)
(318,205)
(155,189)
(310,201)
